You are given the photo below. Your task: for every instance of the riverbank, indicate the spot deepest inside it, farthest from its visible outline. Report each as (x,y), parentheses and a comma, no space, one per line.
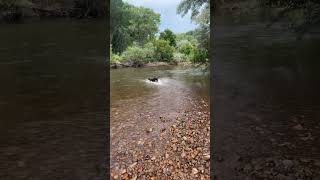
(149,64)
(12,12)
(178,150)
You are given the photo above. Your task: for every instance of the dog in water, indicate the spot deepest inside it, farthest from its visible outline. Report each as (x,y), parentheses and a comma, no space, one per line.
(154,79)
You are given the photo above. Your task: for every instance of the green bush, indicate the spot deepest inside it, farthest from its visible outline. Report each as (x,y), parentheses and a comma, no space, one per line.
(186,48)
(162,50)
(115,58)
(148,51)
(169,36)
(135,56)
(200,56)
(180,57)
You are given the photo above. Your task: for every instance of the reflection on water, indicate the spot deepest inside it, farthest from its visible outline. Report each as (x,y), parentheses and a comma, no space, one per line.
(52,100)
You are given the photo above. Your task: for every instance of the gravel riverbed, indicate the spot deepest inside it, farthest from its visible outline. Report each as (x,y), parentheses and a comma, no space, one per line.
(177,150)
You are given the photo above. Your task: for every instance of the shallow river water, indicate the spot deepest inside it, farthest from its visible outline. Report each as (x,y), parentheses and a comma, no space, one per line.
(137,104)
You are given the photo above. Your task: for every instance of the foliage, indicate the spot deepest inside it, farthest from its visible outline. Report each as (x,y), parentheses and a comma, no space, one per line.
(186,47)
(7,4)
(300,15)
(131,24)
(310,13)
(191,5)
(11,10)
(200,13)
(200,56)
(168,35)
(180,57)
(134,42)
(149,52)
(143,25)
(117,15)
(88,8)
(163,50)
(183,37)
(115,58)
(136,55)
(120,40)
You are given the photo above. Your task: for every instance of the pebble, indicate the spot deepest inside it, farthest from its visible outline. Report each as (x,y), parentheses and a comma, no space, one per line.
(185,147)
(194,171)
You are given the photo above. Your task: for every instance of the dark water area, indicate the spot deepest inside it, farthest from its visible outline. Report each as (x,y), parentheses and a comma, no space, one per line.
(266,81)
(53,100)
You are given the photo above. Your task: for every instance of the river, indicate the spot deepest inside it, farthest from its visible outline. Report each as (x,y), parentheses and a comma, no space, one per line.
(53,97)
(265,88)
(137,104)
(53,100)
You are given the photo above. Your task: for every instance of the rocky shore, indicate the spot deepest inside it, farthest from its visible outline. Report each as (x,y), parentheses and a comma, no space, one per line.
(177,151)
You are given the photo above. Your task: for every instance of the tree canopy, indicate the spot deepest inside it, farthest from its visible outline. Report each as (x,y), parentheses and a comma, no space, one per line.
(200,13)
(168,35)
(131,24)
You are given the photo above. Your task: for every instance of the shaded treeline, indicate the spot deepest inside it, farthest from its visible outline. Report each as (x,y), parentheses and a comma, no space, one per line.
(14,10)
(300,15)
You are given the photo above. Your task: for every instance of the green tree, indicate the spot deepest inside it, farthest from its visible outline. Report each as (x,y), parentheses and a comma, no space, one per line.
(186,48)
(200,13)
(168,35)
(144,24)
(192,5)
(163,51)
(131,24)
(118,19)
(87,8)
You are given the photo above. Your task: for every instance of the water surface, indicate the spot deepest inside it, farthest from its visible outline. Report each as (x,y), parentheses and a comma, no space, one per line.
(138,105)
(266,81)
(52,100)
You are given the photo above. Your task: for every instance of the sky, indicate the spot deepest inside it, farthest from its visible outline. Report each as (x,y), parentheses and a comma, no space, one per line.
(169,17)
